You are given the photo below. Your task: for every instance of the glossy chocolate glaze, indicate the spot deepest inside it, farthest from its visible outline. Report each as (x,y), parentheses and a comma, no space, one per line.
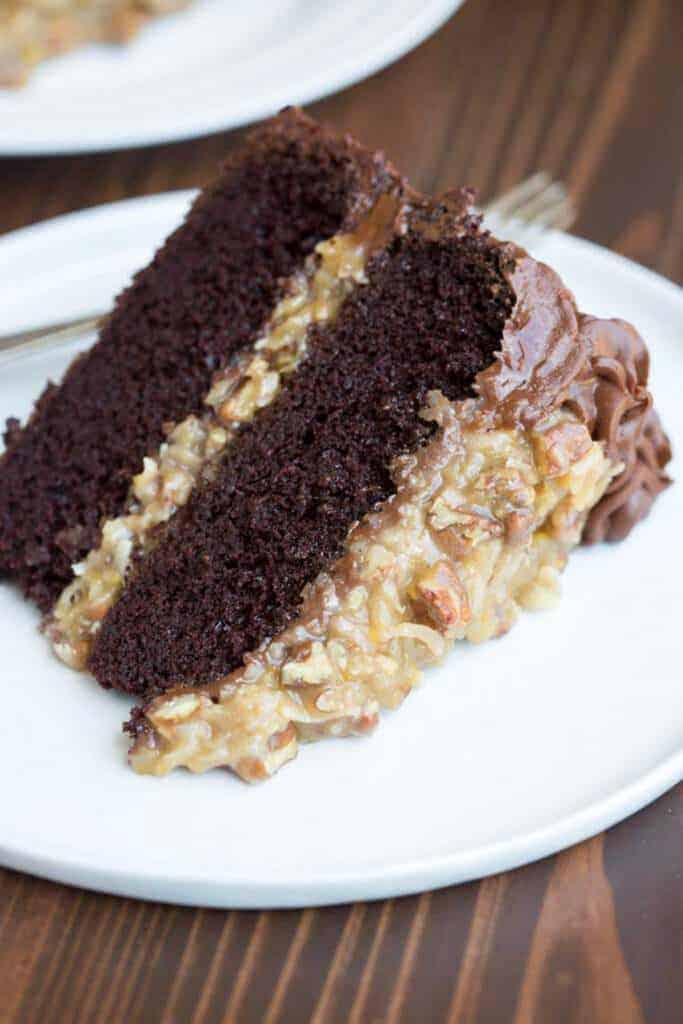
(541,353)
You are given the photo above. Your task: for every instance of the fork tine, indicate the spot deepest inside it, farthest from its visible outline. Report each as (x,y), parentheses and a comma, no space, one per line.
(530,209)
(552,197)
(505,205)
(565,218)
(557,215)
(529,233)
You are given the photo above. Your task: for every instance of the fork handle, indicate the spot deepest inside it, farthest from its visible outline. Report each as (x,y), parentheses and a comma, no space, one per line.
(59,334)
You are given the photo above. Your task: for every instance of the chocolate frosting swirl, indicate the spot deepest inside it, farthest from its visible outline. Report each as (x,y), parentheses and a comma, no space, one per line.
(552,355)
(614,402)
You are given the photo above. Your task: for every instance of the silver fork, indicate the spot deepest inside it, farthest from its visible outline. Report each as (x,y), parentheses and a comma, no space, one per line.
(523,214)
(531,208)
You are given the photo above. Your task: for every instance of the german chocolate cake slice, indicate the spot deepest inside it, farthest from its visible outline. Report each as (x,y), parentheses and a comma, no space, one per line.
(382,431)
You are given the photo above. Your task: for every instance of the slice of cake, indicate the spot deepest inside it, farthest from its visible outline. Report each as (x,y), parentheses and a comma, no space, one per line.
(33,30)
(333,428)
(207,296)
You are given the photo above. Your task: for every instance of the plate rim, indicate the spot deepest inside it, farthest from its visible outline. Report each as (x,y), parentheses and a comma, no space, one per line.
(402,879)
(56,862)
(426,18)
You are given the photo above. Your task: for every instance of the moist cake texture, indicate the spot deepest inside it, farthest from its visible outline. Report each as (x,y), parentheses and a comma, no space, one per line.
(205,296)
(33,30)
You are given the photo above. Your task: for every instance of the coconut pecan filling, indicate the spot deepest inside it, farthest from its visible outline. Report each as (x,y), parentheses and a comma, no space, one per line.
(314,295)
(481,524)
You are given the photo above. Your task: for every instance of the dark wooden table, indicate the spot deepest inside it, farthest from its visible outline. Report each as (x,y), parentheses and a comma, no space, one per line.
(593,92)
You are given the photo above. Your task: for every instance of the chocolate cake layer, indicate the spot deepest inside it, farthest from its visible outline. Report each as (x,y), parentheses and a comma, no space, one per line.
(231,567)
(205,296)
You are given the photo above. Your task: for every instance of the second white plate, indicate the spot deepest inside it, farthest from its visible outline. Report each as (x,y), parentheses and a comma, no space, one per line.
(508,752)
(214,66)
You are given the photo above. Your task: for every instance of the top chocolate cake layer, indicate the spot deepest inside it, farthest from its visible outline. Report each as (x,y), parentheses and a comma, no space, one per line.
(205,295)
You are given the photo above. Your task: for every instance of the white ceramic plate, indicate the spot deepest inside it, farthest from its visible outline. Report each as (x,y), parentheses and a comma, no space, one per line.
(510,751)
(217,65)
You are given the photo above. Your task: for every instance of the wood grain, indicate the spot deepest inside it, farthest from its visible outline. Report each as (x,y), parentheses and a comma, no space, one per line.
(576,964)
(592,92)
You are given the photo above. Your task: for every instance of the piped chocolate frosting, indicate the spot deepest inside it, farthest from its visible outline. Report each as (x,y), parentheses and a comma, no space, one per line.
(613,400)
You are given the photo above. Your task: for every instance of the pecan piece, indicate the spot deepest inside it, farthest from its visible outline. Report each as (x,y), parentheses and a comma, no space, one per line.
(444,598)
